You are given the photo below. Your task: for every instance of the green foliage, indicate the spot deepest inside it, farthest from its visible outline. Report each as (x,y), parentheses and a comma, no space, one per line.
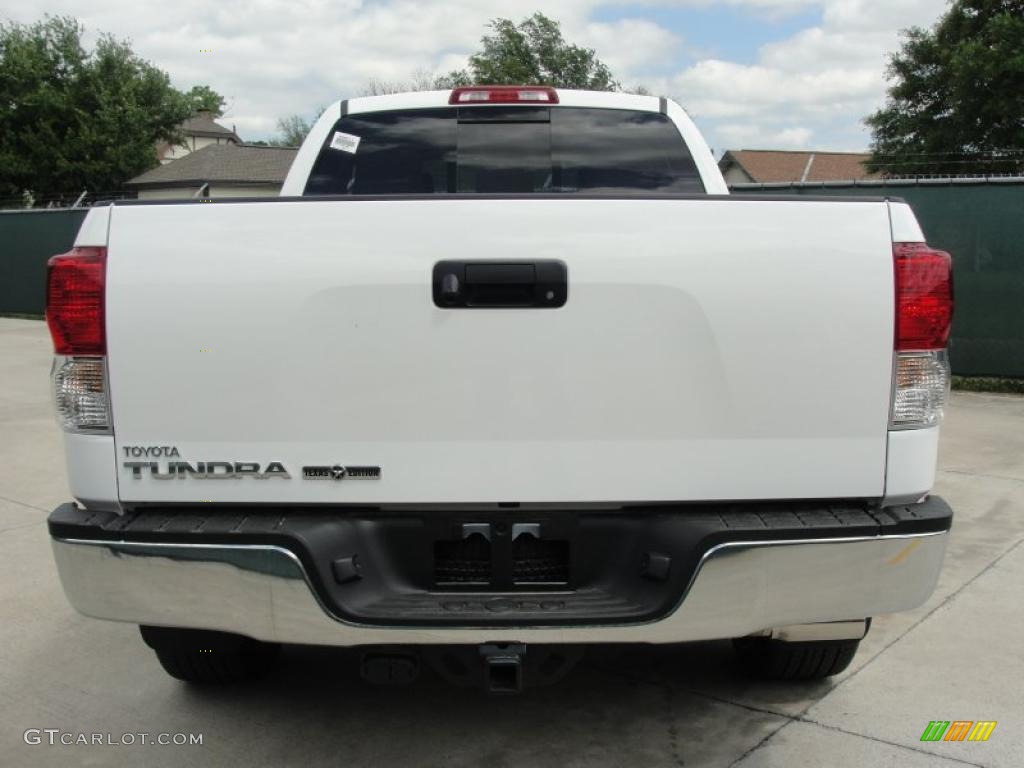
(73,119)
(957,103)
(989,384)
(532,52)
(202,98)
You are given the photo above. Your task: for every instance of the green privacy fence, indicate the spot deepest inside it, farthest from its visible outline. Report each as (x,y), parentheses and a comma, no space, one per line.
(27,240)
(981,223)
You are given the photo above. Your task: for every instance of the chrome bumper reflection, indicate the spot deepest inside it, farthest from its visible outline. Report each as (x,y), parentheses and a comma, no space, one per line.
(263,591)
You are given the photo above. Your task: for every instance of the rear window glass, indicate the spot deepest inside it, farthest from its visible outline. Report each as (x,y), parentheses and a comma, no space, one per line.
(518,150)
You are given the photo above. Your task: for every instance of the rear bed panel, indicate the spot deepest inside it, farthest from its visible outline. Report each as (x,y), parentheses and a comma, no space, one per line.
(709,349)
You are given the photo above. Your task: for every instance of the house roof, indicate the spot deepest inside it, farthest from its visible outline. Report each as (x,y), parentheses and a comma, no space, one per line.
(221,164)
(203,124)
(200,124)
(767,166)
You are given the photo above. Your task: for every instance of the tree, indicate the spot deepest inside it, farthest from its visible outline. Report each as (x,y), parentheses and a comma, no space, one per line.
(291,130)
(419,80)
(202,98)
(957,103)
(532,52)
(72,119)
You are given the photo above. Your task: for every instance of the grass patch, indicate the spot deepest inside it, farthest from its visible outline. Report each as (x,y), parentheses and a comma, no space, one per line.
(988,384)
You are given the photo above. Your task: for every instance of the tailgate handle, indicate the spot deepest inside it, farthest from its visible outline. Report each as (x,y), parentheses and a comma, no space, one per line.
(500,284)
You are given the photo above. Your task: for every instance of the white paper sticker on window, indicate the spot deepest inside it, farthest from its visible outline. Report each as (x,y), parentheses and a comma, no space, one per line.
(346,142)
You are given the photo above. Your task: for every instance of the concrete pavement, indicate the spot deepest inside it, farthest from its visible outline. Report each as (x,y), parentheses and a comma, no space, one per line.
(957,657)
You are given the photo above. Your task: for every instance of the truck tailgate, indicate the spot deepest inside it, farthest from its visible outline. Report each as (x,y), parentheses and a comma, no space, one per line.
(708,349)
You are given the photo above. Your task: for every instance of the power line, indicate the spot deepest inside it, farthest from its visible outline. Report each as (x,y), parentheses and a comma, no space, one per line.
(988,153)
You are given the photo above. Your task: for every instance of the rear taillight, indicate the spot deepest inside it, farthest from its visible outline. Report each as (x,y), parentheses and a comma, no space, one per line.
(74,301)
(924,296)
(504,94)
(924,315)
(75,315)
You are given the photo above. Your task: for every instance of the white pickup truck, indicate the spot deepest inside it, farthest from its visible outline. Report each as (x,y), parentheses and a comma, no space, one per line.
(504,372)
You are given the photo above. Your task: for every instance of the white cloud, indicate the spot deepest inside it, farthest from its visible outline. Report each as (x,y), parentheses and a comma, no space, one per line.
(829,75)
(276,57)
(764,7)
(631,46)
(737,135)
(720,89)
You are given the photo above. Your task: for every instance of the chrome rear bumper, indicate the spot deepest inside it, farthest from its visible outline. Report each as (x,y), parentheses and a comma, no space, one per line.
(264,592)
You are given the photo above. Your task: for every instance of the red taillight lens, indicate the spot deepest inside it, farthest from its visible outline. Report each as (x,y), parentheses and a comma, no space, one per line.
(924,296)
(504,94)
(74,301)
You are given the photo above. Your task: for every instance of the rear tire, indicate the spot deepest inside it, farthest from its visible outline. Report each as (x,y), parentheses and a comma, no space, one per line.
(210,658)
(769,659)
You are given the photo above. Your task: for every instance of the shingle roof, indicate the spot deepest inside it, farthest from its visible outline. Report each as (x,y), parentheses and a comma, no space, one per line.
(766,166)
(221,163)
(203,124)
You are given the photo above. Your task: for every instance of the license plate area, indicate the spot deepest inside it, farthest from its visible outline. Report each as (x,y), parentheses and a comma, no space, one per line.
(504,555)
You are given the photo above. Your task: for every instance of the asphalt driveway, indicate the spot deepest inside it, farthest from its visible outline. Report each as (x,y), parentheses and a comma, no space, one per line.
(956,658)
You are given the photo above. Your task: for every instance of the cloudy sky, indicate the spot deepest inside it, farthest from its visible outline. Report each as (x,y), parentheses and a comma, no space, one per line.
(753,73)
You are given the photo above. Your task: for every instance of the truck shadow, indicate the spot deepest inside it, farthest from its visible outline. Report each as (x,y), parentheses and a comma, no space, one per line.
(621,705)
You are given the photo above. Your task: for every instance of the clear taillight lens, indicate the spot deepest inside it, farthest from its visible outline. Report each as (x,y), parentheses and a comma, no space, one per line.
(75,292)
(924,315)
(921,389)
(80,390)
